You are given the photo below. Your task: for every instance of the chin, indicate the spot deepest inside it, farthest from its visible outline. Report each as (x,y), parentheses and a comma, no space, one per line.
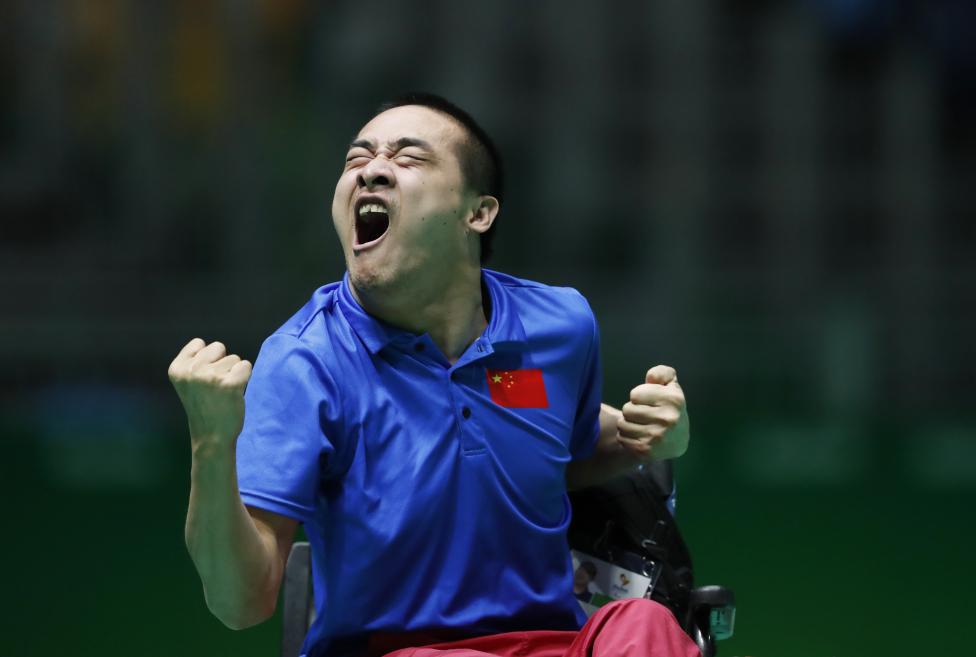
(369,279)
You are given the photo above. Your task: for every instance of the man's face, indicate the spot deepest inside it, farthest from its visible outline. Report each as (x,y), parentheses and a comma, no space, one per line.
(401,201)
(581,579)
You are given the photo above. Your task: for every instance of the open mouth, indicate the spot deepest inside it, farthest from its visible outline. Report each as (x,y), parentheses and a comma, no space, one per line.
(372,221)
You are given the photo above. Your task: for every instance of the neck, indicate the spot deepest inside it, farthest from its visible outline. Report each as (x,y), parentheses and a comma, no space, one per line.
(449,309)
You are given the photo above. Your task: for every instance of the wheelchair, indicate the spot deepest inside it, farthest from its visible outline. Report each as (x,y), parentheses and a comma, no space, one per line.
(625,533)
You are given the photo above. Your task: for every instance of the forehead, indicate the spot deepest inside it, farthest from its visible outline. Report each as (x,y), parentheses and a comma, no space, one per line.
(436,128)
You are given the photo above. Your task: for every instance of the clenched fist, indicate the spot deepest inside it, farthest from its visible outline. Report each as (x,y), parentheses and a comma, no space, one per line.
(210,383)
(654,422)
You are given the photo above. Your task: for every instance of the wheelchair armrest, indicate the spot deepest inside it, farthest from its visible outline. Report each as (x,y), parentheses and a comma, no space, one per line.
(711,596)
(711,616)
(296,599)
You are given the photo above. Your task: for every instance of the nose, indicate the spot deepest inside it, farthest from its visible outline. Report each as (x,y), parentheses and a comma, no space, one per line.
(376,174)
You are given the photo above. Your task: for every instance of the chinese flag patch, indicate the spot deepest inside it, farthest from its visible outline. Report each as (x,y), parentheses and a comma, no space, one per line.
(517,388)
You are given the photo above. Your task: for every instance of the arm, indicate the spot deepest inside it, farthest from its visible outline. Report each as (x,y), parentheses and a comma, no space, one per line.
(653,425)
(238,553)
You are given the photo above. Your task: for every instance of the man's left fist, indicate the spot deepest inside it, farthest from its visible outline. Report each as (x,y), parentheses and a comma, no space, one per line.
(654,423)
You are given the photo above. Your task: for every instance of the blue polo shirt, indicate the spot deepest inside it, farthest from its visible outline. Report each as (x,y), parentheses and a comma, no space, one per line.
(430,501)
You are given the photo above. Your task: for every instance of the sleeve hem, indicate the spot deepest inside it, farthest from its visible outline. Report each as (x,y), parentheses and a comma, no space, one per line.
(587,450)
(275,505)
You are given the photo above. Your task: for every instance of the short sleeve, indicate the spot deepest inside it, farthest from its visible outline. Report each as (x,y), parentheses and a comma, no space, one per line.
(285,444)
(586,427)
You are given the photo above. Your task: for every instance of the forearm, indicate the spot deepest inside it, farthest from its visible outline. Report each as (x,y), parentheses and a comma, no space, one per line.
(236,563)
(609,458)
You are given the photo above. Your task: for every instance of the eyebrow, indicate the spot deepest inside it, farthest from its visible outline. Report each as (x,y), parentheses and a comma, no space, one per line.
(395,145)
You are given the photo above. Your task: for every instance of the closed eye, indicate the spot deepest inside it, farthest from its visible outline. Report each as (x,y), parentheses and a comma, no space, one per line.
(356,160)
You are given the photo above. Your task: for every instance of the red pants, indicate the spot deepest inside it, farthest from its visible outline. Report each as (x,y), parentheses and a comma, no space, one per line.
(625,628)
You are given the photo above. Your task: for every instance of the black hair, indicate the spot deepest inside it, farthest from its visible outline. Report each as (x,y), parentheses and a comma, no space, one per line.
(589,567)
(481,164)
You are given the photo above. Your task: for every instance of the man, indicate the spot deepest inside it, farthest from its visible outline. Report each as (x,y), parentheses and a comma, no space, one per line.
(422,418)
(585,574)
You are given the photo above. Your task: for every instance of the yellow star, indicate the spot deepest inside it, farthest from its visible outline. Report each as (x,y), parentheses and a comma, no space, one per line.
(496,379)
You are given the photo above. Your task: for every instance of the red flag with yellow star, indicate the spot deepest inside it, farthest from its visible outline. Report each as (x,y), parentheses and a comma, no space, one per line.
(517,388)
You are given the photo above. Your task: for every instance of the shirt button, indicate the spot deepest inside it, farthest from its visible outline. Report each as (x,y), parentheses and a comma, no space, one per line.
(419,346)
(466,412)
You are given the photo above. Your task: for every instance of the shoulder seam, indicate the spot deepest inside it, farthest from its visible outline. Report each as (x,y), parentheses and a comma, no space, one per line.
(299,331)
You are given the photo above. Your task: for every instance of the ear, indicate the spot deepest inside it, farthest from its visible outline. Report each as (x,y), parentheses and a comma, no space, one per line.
(484,214)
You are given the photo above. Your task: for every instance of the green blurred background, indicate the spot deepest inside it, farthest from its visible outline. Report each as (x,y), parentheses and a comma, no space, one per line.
(777,198)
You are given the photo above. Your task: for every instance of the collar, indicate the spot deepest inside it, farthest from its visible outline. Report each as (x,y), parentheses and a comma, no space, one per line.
(503,326)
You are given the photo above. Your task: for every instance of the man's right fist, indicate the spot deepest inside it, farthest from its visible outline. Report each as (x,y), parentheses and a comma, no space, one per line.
(210,383)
